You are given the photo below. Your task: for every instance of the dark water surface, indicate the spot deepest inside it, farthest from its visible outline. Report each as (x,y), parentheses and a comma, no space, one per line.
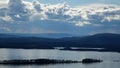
(111,59)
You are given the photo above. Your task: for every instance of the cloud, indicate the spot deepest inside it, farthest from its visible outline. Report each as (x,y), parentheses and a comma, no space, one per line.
(3,2)
(22,16)
(4,28)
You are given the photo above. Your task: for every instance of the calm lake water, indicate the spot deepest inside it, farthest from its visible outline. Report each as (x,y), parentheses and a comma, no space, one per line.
(111,59)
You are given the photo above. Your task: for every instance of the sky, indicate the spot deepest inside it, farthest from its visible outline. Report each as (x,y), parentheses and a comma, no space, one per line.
(76,2)
(60,16)
(80,2)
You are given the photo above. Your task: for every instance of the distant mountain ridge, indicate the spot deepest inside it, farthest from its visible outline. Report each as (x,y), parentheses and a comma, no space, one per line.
(7,35)
(106,34)
(44,35)
(108,41)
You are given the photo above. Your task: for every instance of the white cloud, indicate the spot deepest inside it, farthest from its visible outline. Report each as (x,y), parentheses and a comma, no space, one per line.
(22,10)
(19,11)
(5,29)
(7,18)
(3,0)
(112,17)
(83,23)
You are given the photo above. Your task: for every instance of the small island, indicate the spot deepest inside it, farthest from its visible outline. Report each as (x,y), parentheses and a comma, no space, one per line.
(88,60)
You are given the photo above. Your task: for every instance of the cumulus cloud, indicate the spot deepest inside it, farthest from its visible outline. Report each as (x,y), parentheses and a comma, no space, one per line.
(56,17)
(3,2)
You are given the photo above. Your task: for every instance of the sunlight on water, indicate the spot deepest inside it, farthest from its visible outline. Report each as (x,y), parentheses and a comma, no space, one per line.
(107,57)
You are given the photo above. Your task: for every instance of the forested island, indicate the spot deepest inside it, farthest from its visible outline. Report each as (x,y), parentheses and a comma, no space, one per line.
(47,61)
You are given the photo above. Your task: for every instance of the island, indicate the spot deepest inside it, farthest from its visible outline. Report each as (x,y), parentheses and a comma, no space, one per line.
(89,60)
(37,61)
(46,61)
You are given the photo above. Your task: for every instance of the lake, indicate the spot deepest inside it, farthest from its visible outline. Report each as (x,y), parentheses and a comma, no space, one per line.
(110,59)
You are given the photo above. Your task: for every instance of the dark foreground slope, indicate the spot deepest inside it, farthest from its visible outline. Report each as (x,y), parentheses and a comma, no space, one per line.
(110,42)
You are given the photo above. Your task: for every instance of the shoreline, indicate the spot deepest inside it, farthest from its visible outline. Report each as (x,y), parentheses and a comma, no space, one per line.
(69,49)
